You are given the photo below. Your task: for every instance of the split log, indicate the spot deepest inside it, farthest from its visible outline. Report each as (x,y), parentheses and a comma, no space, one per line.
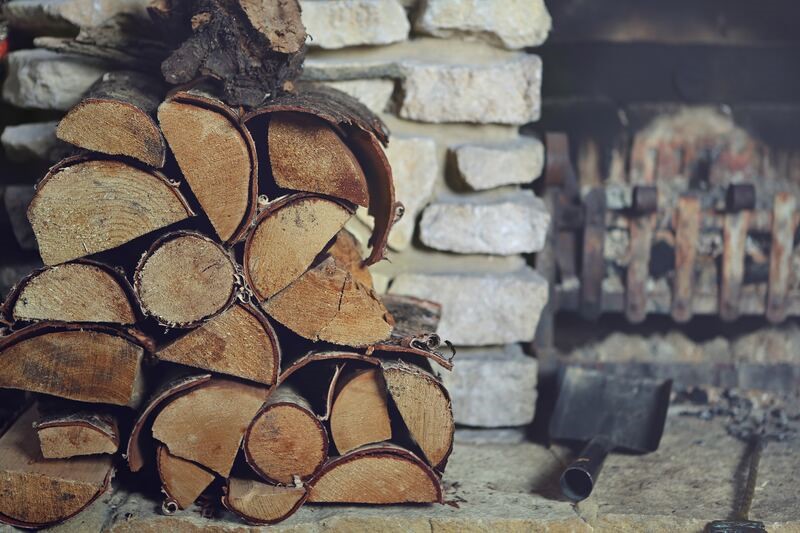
(116,118)
(424,405)
(217,157)
(80,291)
(346,251)
(362,132)
(85,206)
(306,154)
(38,492)
(87,363)
(135,452)
(344,311)
(286,442)
(253,55)
(239,342)
(262,504)
(185,278)
(182,481)
(288,235)
(360,413)
(376,474)
(207,423)
(64,434)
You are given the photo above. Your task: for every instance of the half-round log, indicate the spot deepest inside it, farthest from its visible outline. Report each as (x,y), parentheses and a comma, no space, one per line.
(79,291)
(262,504)
(376,474)
(116,118)
(84,206)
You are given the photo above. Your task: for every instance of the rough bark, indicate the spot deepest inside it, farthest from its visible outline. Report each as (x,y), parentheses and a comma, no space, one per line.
(251,63)
(88,205)
(288,235)
(79,291)
(184,279)
(286,442)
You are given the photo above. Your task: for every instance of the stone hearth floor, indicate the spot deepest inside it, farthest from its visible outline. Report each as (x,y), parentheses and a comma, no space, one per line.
(694,477)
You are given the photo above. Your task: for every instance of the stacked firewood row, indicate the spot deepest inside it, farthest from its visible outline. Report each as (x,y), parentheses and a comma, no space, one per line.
(204,312)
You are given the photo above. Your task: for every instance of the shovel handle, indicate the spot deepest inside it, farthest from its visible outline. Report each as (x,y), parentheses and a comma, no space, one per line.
(578,479)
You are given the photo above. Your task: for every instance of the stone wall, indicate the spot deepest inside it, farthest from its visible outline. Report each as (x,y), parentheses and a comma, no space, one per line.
(454,83)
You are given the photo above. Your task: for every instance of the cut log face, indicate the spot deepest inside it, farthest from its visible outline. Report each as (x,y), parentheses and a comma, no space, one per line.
(345,312)
(80,291)
(38,492)
(83,363)
(262,504)
(377,474)
(217,158)
(182,481)
(286,440)
(184,279)
(239,342)
(206,424)
(135,452)
(425,408)
(347,254)
(63,436)
(83,207)
(116,118)
(306,154)
(279,21)
(286,239)
(360,413)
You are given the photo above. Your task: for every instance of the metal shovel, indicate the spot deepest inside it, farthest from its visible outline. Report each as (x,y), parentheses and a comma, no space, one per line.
(610,413)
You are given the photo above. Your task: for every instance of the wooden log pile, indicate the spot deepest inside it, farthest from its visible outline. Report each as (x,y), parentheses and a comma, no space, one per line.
(203,313)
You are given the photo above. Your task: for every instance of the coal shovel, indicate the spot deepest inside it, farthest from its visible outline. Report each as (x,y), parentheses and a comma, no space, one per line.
(609,412)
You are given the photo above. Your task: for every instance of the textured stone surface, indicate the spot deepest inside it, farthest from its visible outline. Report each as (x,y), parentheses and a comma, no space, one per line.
(508,23)
(481,309)
(47,80)
(485,166)
(415,168)
(493,387)
(515,224)
(340,23)
(506,93)
(16,200)
(48,17)
(35,141)
(374,94)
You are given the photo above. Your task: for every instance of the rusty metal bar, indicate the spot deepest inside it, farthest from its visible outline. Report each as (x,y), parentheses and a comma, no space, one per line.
(687,233)
(783,228)
(593,266)
(734,235)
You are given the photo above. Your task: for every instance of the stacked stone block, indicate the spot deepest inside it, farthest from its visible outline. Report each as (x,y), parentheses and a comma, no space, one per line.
(453,83)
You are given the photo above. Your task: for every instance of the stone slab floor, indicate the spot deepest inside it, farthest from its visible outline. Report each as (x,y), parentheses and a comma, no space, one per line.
(693,478)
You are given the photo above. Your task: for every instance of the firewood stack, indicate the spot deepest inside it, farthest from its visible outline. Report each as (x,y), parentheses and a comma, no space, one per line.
(203,311)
